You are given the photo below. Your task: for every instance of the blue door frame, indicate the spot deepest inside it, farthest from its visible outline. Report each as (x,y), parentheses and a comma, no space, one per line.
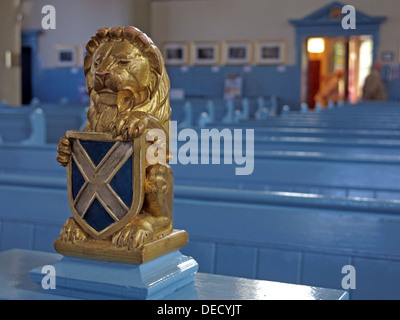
(321,23)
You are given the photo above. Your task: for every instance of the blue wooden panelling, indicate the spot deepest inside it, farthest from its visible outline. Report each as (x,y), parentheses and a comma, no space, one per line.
(205,82)
(14,128)
(50,90)
(35,205)
(303,172)
(16,234)
(362,194)
(279,265)
(45,235)
(324,269)
(236,260)
(205,254)
(335,230)
(286,243)
(201,82)
(383,279)
(18,124)
(386,195)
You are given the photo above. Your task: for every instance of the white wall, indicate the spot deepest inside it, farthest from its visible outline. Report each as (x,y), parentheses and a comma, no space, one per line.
(78,20)
(10,40)
(216,20)
(194,20)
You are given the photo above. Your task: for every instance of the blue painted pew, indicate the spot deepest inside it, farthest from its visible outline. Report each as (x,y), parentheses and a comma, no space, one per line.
(340,175)
(219,109)
(344,133)
(328,174)
(15,127)
(354,117)
(358,112)
(17,124)
(359,140)
(367,105)
(328,145)
(327,123)
(372,113)
(317,144)
(272,236)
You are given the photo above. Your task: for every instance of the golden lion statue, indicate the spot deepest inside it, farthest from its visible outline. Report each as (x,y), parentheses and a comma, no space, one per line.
(129,94)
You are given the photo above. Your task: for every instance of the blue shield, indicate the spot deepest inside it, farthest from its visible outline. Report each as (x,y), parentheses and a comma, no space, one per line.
(105,182)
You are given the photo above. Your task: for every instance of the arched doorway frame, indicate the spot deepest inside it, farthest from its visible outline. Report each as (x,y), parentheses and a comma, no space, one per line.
(327,22)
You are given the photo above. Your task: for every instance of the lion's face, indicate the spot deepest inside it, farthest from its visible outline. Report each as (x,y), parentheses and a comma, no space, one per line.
(119,71)
(125,73)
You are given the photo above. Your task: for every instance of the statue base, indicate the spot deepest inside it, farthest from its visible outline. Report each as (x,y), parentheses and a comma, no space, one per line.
(103,250)
(94,279)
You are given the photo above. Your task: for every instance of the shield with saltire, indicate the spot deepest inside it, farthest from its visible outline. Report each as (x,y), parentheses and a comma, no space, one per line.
(105,181)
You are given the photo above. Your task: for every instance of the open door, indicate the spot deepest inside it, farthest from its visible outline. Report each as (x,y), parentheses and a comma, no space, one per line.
(26,65)
(325,23)
(336,68)
(10,52)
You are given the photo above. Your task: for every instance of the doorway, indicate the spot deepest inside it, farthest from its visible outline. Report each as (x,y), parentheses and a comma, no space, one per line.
(26,66)
(336,68)
(29,65)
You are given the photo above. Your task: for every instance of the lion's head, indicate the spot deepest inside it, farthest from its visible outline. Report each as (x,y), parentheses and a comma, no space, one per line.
(124,71)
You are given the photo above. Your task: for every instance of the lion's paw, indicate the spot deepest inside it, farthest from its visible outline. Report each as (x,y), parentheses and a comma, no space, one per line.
(71,232)
(132,237)
(129,126)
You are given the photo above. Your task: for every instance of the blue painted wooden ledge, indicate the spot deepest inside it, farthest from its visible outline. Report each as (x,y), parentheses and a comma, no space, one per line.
(15,284)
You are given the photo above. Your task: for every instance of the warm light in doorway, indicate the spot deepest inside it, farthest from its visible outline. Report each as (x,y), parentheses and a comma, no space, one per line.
(316,45)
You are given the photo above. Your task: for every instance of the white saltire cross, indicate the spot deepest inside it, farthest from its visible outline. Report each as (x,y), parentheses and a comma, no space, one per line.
(98,178)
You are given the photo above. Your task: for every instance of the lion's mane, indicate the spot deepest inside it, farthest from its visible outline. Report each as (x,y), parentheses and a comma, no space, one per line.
(158,104)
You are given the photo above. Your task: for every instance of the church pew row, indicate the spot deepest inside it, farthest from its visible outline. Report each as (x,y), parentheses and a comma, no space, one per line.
(360,108)
(19,132)
(363,145)
(371,122)
(337,175)
(61,117)
(339,145)
(17,124)
(306,132)
(328,145)
(349,109)
(271,236)
(16,127)
(385,106)
(352,117)
(301,122)
(220,107)
(336,115)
